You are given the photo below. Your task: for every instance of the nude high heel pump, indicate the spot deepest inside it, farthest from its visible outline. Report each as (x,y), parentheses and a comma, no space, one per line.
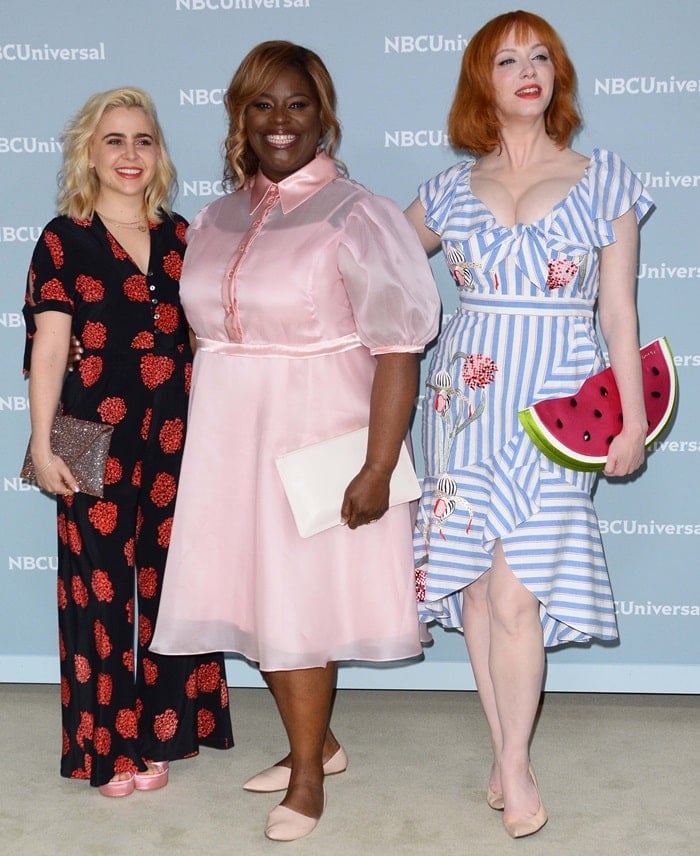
(528,825)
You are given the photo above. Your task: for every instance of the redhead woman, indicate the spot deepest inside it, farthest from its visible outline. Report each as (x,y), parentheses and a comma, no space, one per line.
(534,234)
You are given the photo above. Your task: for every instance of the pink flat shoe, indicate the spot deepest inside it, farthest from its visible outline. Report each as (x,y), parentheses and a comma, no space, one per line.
(151,781)
(119,788)
(495,800)
(277,778)
(283,824)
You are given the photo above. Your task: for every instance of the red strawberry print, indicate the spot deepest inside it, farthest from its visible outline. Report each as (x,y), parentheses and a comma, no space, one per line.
(168,318)
(53,290)
(79,591)
(172,265)
(147,581)
(156,370)
(90,289)
(135,288)
(94,335)
(103,516)
(55,248)
(171,435)
(143,341)
(90,370)
(112,410)
(165,724)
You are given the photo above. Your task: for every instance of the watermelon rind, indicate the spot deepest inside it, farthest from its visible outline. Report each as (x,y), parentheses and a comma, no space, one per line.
(562,455)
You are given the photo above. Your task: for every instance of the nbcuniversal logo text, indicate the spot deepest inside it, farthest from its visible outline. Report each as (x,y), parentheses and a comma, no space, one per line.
(15,484)
(29,146)
(645,86)
(203,187)
(425,43)
(648,608)
(32,563)
(46,53)
(422,139)
(22,234)
(11,320)
(14,403)
(238,5)
(650,527)
(201,97)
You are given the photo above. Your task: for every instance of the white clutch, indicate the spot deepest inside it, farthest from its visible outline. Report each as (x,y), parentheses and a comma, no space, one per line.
(315,478)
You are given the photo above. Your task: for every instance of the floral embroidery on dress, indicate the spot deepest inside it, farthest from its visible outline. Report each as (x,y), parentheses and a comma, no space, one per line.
(460,269)
(560,272)
(457,409)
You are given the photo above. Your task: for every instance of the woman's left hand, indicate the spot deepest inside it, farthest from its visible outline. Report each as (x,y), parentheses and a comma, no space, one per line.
(366,497)
(626,454)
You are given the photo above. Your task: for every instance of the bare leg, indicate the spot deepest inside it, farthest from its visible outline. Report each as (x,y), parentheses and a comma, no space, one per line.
(477,635)
(512,683)
(304,698)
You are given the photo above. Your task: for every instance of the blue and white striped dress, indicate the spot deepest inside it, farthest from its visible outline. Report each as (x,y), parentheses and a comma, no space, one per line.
(524,331)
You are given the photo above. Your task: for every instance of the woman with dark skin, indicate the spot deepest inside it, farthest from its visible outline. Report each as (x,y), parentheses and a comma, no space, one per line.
(311,299)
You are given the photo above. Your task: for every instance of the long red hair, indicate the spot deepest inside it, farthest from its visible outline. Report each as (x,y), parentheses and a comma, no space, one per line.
(472,123)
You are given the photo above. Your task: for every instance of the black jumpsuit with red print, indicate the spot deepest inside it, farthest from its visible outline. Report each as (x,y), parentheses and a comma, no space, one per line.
(121,703)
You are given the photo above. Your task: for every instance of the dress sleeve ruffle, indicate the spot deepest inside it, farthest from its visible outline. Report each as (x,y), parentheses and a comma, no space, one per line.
(47,287)
(387,278)
(437,194)
(615,189)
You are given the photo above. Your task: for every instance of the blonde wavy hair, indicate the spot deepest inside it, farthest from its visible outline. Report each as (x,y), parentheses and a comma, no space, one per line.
(78,185)
(257,71)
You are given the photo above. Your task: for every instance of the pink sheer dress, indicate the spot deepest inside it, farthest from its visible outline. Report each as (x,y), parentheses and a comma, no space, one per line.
(291,288)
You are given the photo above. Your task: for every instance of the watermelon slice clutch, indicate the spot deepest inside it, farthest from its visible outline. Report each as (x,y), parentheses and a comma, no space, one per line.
(576,430)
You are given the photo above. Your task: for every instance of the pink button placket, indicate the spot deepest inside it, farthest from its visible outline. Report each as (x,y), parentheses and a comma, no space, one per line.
(228,295)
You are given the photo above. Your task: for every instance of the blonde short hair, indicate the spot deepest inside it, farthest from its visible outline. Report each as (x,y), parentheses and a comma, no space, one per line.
(79,185)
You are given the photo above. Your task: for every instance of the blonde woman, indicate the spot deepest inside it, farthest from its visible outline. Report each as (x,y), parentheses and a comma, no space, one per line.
(107,270)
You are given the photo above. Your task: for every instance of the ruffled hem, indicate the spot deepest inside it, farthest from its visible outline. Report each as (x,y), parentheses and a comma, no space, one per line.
(543,515)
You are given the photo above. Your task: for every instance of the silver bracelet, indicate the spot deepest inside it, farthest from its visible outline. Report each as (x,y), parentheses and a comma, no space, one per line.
(46,466)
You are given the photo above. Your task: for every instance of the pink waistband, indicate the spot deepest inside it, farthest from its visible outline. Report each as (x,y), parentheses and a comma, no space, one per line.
(313,349)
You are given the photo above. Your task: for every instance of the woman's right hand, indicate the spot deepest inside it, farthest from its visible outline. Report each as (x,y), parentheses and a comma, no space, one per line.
(53,474)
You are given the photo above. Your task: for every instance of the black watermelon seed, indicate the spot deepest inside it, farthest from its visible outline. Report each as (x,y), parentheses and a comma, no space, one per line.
(609,440)
(655,371)
(597,414)
(560,424)
(586,435)
(656,394)
(604,391)
(573,402)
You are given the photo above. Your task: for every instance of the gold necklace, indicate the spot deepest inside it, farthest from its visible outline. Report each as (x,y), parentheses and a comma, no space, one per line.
(141,224)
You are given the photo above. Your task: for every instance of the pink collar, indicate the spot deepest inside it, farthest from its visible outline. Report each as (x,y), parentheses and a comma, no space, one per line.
(296,188)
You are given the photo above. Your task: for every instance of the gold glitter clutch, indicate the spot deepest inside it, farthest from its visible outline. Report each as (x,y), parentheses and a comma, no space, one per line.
(83,446)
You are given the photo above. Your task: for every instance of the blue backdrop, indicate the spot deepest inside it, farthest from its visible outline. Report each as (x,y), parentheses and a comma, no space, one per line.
(395,63)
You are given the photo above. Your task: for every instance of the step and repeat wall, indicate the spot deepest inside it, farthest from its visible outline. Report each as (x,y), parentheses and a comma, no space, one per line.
(395,64)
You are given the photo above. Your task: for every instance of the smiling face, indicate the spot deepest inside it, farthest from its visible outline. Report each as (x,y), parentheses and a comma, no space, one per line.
(124,154)
(283,125)
(523,78)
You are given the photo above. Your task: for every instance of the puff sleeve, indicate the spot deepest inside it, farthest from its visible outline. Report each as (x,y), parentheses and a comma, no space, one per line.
(387,278)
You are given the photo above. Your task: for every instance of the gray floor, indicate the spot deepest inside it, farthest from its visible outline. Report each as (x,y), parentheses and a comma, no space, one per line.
(618,773)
